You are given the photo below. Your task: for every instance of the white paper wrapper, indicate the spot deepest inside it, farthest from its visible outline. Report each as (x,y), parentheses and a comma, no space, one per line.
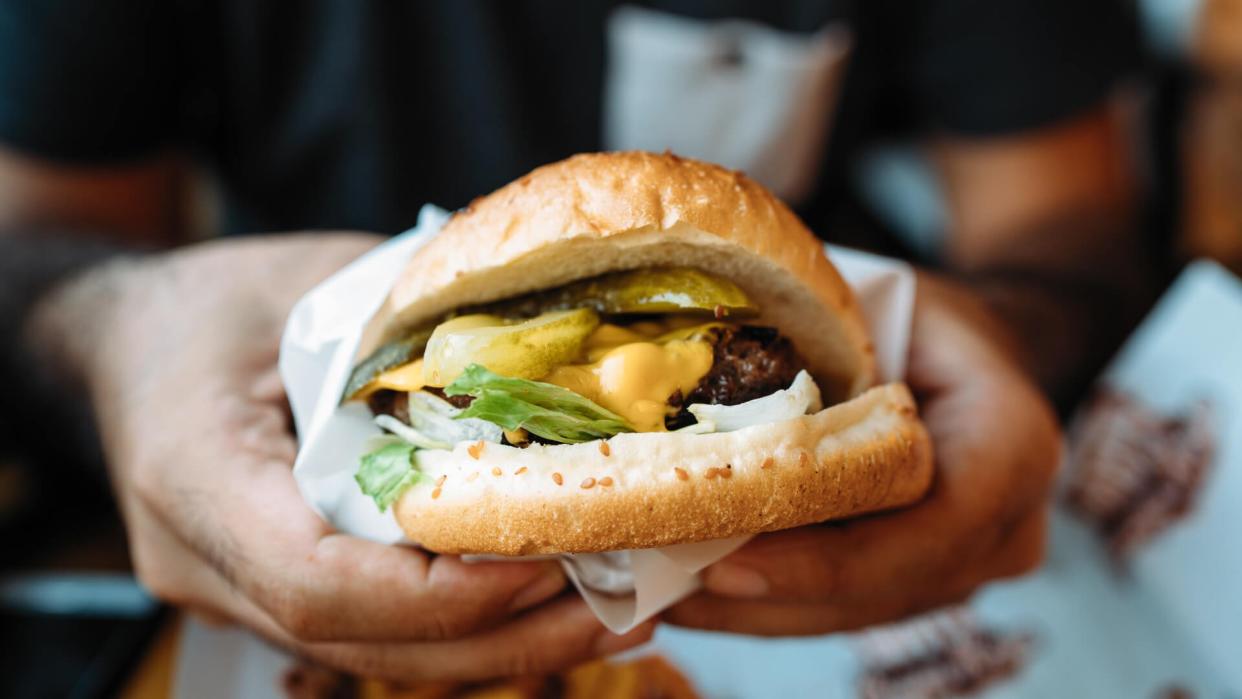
(623,588)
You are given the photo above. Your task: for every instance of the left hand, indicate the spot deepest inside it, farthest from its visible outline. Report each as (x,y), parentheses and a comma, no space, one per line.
(997,444)
(178,354)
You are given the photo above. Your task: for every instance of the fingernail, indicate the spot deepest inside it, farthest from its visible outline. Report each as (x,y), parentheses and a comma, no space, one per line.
(731,580)
(550,582)
(608,642)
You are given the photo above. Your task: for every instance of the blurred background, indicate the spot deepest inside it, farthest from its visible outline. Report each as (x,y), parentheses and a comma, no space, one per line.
(73,621)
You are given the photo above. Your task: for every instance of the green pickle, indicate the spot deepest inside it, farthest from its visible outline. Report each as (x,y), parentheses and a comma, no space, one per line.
(525,349)
(390,355)
(650,290)
(528,336)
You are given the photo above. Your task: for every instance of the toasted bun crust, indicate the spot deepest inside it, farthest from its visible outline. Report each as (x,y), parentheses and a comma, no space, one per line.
(598,213)
(654,489)
(603,212)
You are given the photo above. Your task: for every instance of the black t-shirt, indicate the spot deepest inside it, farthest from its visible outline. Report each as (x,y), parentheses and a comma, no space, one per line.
(348,114)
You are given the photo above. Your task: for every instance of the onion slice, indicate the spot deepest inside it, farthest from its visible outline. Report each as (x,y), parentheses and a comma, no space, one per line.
(802,397)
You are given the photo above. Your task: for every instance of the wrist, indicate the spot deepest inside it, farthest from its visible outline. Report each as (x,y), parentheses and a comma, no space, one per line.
(44,421)
(68,329)
(1065,330)
(968,306)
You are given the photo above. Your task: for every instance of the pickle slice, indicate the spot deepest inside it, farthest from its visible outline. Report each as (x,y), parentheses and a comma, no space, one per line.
(525,350)
(651,290)
(388,356)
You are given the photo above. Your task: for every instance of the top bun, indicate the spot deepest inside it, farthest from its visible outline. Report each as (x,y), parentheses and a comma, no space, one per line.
(602,212)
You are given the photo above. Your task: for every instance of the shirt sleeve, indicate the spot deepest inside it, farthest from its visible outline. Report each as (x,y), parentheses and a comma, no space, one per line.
(984,67)
(87,81)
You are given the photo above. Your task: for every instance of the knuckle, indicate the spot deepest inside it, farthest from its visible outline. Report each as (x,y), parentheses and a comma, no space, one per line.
(156,580)
(1023,551)
(439,625)
(522,661)
(1050,463)
(955,598)
(296,614)
(1025,565)
(529,659)
(805,565)
(830,577)
(1028,558)
(1048,456)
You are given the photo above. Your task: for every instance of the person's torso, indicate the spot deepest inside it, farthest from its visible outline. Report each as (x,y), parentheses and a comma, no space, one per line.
(352,115)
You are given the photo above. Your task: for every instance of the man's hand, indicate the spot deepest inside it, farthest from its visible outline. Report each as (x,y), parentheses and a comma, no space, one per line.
(1042,226)
(996,445)
(178,355)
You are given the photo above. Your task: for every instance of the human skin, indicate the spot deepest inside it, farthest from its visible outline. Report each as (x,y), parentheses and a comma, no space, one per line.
(996,444)
(178,351)
(177,355)
(1039,227)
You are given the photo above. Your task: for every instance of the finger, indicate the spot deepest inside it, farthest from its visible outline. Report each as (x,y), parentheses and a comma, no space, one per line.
(978,404)
(269,388)
(971,507)
(768,618)
(303,575)
(983,486)
(1016,555)
(553,637)
(869,557)
(557,635)
(246,517)
(229,495)
(865,557)
(548,639)
(857,561)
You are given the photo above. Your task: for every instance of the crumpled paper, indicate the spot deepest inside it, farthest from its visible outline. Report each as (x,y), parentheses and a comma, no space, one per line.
(623,588)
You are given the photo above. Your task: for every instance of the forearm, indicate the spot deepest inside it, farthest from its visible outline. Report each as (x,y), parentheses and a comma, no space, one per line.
(1043,224)
(44,411)
(1070,297)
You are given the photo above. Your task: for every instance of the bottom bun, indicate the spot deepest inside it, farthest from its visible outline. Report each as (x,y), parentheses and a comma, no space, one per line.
(644,490)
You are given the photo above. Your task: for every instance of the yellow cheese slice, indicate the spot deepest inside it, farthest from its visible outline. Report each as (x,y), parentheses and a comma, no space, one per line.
(407,378)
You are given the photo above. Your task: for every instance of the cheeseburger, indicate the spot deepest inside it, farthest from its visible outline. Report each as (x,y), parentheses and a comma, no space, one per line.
(627,350)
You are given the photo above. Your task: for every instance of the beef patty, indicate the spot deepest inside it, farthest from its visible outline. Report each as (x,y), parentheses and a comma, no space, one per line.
(387,402)
(748,362)
(394,403)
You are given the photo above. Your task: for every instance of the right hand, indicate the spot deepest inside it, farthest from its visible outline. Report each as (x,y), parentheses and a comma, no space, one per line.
(178,355)
(997,445)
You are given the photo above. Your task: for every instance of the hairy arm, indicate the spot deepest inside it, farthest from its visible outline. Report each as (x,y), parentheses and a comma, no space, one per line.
(56,222)
(175,352)
(1043,226)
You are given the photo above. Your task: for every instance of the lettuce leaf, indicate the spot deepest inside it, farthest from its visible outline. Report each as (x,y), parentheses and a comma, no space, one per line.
(387,471)
(554,413)
(435,417)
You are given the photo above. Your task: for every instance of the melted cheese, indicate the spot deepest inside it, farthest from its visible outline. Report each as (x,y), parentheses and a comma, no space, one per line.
(633,371)
(407,377)
(629,370)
